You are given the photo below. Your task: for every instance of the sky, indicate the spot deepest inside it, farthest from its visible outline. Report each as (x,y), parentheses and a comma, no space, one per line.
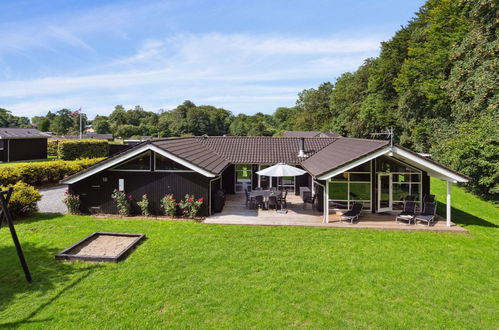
(244,56)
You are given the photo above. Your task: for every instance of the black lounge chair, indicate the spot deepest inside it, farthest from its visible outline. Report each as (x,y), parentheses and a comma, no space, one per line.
(429,199)
(259,202)
(429,213)
(408,214)
(352,214)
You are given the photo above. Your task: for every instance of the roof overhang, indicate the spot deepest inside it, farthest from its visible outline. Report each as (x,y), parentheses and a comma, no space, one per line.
(433,169)
(130,154)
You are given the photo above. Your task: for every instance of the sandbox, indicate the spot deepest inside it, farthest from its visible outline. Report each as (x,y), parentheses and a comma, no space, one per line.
(101,246)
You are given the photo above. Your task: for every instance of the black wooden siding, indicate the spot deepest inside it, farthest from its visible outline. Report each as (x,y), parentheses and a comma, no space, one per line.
(94,192)
(24,149)
(229,179)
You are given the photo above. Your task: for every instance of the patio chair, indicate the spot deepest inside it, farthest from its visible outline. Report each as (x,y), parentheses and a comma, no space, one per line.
(249,200)
(308,198)
(408,214)
(272,203)
(429,213)
(282,199)
(259,202)
(429,198)
(352,214)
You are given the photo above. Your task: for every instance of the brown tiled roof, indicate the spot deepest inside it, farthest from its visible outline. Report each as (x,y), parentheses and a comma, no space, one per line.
(310,134)
(342,151)
(21,133)
(262,149)
(194,152)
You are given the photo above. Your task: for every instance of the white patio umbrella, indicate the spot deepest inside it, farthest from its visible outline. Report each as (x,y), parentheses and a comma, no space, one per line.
(281,170)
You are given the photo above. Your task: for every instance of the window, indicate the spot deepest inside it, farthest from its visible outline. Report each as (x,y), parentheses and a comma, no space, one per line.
(387,165)
(351,186)
(163,163)
(243,177)
(141,162)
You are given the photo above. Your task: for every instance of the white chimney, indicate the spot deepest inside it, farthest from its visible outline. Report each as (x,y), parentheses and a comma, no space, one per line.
(301,153)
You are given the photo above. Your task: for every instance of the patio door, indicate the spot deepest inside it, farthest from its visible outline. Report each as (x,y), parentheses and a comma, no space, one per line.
(384,192)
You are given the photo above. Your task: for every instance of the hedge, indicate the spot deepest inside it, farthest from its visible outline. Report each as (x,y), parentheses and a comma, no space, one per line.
(37,173)
(24,199)
(79,149)
(52,147)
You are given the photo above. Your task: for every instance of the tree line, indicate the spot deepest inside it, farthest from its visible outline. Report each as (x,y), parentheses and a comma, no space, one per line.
(435,83)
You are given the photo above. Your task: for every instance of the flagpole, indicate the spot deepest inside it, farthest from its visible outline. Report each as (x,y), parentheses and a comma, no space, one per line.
(80,123)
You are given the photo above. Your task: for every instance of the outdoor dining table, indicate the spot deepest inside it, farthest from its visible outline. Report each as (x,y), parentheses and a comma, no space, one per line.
(265,194)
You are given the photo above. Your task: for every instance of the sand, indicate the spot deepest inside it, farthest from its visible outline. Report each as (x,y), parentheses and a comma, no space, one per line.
(103,246)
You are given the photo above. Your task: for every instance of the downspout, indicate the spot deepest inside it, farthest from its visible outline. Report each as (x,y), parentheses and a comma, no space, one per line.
(325,201)
(8,150)
(209,193)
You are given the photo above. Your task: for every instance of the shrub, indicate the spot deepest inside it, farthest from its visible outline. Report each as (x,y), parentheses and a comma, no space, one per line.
(144,205)
(169,205)
(190,206)
(36,173)
(123,203)
(72,202)
(78,149)
(52,147)
(24,199)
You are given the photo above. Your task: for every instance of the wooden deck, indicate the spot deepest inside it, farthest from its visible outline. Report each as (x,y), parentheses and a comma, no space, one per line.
(236,213)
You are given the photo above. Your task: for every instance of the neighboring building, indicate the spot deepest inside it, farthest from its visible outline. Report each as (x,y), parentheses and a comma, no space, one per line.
(22,144)
(310,134)
(340,170)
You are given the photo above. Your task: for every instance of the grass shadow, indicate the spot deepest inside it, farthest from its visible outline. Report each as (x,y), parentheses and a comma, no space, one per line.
(460,217)
(49,275)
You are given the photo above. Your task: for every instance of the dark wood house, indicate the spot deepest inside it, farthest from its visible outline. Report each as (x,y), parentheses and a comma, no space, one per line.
(340,171)
(18,144)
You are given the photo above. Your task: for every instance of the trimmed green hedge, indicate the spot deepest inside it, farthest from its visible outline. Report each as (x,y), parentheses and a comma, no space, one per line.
(79,149)
(24,199)
(52,147)
(37,173)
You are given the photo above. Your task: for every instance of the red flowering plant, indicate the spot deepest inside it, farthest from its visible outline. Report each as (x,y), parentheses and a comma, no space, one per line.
(72,202)
(144,205)
(169,205)
(122,201)
(190,206)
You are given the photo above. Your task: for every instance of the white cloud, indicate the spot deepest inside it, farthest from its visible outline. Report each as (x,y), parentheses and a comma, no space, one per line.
(243,72)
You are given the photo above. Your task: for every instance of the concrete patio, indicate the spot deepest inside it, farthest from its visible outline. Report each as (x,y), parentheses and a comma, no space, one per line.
(235,212)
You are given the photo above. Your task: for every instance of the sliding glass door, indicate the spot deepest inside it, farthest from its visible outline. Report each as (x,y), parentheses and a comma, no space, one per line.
(243,177)
(384,192)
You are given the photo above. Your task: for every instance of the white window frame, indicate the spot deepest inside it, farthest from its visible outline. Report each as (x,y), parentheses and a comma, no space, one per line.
(349,200)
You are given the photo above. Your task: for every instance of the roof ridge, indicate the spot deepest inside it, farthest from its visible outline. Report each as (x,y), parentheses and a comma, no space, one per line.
(362,139)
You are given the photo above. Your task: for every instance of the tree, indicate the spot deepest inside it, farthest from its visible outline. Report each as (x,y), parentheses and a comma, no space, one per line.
(313,108)
(102,126)
(62,122)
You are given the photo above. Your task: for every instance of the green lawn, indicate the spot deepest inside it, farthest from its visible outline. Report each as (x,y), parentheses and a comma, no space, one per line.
(188,274)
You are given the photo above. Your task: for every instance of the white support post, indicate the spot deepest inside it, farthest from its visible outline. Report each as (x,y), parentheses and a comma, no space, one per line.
(326,202)
(447,213)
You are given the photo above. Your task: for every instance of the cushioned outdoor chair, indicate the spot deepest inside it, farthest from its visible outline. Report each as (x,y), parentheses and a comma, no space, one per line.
(272,203)
(408,214)
(282,200)
(309,199)
(428,215)
(249,200)
(352,214)
(259,202)
(429,199)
